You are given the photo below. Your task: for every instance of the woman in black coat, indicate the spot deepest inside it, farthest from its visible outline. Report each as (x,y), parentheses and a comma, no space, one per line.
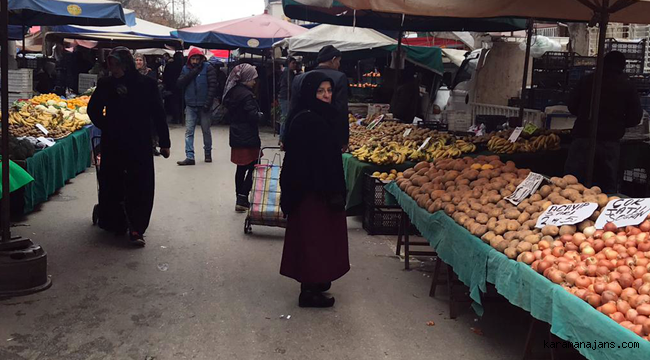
(124,106)
(313,194)
(244,116)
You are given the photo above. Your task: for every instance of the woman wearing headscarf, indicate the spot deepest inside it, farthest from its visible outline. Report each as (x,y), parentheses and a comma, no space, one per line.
(124,106)
(141,66)
(313,194)
(244,116)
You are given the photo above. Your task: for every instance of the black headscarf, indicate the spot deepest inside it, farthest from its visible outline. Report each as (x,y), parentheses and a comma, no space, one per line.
(307,100)
(124,57)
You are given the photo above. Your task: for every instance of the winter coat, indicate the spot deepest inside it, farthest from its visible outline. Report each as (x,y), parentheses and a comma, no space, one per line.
(199,83)
(133,105)
(244,116)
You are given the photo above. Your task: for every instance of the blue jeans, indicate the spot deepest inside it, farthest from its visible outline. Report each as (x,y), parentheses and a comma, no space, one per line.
(195,115)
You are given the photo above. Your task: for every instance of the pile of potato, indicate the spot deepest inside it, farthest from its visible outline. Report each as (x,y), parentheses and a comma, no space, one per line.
(472,192)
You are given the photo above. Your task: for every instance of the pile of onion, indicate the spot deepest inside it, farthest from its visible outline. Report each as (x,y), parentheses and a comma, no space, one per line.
(608,268)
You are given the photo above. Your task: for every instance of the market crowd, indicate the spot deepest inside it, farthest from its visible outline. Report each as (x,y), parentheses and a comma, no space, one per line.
(130,106)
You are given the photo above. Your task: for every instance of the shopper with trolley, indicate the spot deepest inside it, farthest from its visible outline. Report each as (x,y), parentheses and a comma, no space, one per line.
(243,116)
(313,194)
(124,106)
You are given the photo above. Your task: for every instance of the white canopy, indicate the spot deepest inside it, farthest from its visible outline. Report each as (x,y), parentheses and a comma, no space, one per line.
(343,38)
(141,28)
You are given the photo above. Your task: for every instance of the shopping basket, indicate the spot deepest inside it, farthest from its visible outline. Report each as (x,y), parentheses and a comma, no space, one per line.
(265,196)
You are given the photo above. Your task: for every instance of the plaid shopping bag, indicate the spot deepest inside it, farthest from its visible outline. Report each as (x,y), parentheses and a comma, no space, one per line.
(265,196)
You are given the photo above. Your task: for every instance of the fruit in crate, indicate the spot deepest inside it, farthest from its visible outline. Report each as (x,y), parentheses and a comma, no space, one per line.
(500,143)
(386,176)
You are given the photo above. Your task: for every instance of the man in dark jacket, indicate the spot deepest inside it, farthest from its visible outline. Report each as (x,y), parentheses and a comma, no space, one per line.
(286,78)
(329,62)
(620,108)
(199,81)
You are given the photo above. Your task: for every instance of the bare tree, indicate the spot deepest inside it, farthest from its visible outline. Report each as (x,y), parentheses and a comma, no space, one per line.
(160,12)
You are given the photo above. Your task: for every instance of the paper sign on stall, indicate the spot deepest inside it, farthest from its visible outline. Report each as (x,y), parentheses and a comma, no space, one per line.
(45,141)
(624,212)
(42,129)
(515,134)
(527,187)
(567,214)
(425,143)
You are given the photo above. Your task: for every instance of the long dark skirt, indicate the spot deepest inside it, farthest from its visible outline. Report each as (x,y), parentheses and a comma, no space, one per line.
(315,243)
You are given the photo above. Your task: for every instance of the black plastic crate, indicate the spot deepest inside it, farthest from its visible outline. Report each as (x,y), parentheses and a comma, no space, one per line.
(633,50)
(584,61)
(382,220)
(634,67)
(645,103)
(374,193)
(577,73)
(549,79)
(635,183)
(642,83)
(539,99)
(553,60)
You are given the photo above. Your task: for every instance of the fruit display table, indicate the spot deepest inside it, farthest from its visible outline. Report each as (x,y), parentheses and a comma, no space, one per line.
(476,263)
(54,166)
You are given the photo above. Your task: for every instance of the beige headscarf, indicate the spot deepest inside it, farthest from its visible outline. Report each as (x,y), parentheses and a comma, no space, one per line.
(144,70)
(240,74)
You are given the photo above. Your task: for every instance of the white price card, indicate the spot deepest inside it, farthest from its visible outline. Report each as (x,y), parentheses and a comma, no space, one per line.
(425,143)
(375,122)
(624,212)
(527,187)
(42,129)
(407,132)
(45,141)
(567,214)
(515,134)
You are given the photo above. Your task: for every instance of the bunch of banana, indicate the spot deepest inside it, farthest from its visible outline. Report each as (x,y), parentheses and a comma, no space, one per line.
(465,147)
(500,145)
(447,152)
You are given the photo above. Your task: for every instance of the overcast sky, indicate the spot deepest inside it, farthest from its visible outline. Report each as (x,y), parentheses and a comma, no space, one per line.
(211,11)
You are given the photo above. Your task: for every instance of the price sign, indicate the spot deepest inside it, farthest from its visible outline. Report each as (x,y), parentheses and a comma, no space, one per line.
(45,141)
(515,134)
(530,128)
(407,132)
(424,144)
(375,122)
(527,187)
(624,212)
(42,129)
(568,214)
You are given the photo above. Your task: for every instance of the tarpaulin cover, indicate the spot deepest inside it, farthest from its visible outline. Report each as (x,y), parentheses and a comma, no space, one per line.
(256,32)
(574,10)
(344,38)
(62,12)
(340,14)
(476,263)
(426,57)
(53,166)
(18,177)
(140,28)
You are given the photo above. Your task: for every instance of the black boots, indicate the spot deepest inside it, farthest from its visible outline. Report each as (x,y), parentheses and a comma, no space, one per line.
(242,204)
(186,162)
(311,295)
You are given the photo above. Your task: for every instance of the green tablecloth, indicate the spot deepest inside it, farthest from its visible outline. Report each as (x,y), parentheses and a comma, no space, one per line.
(477,263)
(354,170)
(53,166)
(18,177)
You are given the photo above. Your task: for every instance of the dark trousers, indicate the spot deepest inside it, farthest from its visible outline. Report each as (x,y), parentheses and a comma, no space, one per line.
(244,178)
(605,173)
(126,191)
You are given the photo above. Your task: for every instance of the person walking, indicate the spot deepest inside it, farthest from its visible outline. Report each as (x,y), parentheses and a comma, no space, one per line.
(199,81)
(313,194)
(243,116)
(173,95)
(620,108)
(131,102)
(286,78)
(329,62)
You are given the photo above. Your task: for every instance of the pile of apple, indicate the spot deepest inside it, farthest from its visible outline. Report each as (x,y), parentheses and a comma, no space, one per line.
(608,268)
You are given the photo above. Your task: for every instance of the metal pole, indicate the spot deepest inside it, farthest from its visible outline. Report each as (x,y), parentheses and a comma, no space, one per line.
(398,64)
(23,29)
(595,93)
(4,98)
(275,99)
(524,81)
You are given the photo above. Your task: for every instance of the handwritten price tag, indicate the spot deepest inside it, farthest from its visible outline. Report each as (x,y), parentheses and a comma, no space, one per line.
(527,187)
(425,143)
(568,214)
(42,129)
(407,132)
(45,141)
(515,134)
(624,212)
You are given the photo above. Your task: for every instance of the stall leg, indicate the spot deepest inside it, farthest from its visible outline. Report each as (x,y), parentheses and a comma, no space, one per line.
(400,233)
(407,250)
(436,276)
